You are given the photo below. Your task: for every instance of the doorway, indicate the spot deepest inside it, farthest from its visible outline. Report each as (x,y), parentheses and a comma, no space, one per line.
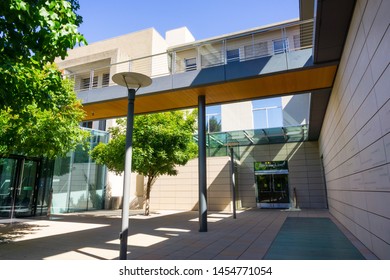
(26,187)
(272,188)
(19,179)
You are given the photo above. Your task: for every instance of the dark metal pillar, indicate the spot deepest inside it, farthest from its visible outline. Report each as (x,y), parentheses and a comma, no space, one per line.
(127,176)
(202,162)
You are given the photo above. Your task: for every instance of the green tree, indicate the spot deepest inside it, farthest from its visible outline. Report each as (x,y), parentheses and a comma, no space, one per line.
(39,111)
(46,125)
(161,142)
(38,30)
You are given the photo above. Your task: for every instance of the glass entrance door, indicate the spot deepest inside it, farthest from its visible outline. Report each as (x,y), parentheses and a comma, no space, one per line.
(24,196)
(272,191)
(18,186)
(8,168)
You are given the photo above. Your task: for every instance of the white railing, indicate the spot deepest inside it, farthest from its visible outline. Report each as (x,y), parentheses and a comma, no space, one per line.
(277,40)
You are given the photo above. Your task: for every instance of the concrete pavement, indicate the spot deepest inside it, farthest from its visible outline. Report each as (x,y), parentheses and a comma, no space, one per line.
(163,235)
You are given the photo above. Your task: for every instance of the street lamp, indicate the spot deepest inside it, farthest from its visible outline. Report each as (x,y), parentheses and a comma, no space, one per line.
(231,146)
(132,81)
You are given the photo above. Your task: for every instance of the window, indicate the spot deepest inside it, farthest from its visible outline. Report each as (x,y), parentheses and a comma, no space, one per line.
(106,80)
(213,119)
(87,124)
(256,50)
(190,64)
(267,113)
(232,55)
(280,46)
(85,83)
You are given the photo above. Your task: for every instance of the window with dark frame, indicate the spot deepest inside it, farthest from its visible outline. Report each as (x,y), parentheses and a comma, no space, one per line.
(87,124)
(280,46)
(232,55)
(85,83)
(190,64)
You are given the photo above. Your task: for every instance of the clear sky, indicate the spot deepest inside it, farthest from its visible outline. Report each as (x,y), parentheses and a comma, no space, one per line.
(103,19)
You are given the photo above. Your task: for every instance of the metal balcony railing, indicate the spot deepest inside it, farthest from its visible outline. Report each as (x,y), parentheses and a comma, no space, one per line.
(258,43)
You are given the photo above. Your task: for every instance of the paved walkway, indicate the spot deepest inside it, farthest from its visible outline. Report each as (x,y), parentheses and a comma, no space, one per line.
(163,235)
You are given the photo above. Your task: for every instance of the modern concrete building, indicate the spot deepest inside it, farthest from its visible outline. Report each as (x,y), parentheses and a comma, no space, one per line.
(279,46)
(303,105)
(333,152)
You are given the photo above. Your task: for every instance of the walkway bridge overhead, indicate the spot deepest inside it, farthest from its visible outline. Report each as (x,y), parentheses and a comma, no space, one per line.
(263,62)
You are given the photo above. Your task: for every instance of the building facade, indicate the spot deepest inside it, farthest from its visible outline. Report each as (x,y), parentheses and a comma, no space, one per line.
(303,106)
(354,142)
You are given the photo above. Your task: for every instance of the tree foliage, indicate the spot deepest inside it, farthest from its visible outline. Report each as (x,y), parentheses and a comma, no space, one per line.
(44,120)
(38,30)
(39,111)
(161,142)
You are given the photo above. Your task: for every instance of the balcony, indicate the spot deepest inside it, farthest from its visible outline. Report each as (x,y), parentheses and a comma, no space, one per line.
(241,66)
(279,42)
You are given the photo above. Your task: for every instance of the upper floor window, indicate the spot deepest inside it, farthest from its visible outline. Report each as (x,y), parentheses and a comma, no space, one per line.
(280,46)
(190,64)
(86,83)
(267,113)
(106,79)
(232,55)
(87,124)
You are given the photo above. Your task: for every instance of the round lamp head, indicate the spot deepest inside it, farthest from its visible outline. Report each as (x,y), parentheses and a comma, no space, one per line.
(131,79)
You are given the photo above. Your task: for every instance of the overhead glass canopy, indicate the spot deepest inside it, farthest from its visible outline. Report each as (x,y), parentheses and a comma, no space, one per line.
(276,135)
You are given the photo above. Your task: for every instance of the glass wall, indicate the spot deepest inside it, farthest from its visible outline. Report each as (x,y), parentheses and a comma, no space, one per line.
(44,187)
(32,186)
(24,186)
(78,182)
(7,181)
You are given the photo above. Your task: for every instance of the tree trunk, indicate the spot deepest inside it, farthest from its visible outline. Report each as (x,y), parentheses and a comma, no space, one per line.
(147,195)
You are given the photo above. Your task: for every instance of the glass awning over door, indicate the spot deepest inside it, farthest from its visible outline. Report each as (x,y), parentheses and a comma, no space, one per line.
(275,135)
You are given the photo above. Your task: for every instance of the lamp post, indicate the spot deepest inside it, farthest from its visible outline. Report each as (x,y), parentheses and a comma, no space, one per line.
(132,81)
(231,145)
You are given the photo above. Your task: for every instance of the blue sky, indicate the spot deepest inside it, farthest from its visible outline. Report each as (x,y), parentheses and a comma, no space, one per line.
(205,19)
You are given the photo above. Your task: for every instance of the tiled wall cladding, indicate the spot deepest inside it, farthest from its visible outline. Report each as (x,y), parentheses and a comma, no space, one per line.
(181,192)
(355,138)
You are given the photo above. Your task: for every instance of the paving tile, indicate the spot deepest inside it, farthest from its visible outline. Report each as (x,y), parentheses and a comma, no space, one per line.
(94,235)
